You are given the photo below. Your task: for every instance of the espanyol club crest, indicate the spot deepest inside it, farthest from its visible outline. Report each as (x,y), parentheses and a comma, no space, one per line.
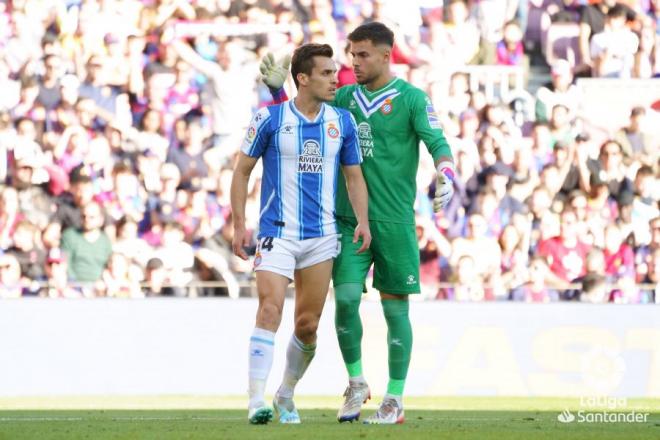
(386,108)
(257,260)
(333,131)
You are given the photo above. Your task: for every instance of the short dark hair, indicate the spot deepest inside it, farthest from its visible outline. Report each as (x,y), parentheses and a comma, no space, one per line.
(303,58)
(636,111)
(617,11)
(374,31)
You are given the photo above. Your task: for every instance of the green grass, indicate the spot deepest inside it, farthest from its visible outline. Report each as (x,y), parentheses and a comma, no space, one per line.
(190,417)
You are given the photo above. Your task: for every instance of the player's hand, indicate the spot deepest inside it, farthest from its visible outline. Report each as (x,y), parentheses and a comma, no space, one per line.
(274,74)
(362,231)
(444,186)
(239,241)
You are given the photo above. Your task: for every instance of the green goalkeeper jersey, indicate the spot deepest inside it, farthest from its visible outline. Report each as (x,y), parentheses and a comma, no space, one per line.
(391,121)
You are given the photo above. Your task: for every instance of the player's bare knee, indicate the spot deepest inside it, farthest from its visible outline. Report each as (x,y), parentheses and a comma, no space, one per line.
(269,316)
(306,326)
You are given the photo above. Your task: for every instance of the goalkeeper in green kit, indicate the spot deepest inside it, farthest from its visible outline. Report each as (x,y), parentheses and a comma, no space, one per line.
(392,117)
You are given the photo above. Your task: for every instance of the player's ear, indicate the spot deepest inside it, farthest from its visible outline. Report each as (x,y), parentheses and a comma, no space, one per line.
(386,52)
(303,78)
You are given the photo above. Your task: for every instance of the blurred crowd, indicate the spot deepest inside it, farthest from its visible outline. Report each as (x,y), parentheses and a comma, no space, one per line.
(120,121)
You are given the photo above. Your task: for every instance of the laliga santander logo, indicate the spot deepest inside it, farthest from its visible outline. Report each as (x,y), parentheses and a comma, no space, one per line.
(566,417)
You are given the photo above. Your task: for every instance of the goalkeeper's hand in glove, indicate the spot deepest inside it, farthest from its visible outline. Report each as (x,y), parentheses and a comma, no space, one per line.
(274,74)
(444,185)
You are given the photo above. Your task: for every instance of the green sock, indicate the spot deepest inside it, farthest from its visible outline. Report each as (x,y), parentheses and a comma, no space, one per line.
(354,368)
(399,341)
(349,326)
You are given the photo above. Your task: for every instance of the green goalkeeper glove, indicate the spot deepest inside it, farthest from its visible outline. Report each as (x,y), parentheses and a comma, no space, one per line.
(273,74)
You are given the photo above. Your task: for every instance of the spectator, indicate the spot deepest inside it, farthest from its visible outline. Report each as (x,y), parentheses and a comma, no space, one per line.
(229,107)
(33,201)
(345,74)
(497,177)
(177,256)
(156,279)
(561,126)
(29,255)
(117,280)
(71,203)
(10,277)
(635,139)
(510,50)
(536,288)
(515,254)
(564,158)
(51,236)
(10,215)
(644,252)
(613,50)
(592,22)
(49,87)
(651,293)
(87,248)
(64,114)
(468,284)
(484,250)
(457,39)
(491,16)
(619,256)
(565,253)
(609,170)
(560,90)
(593,284)
(647,58)
(645,204)
(95,87)
(57,278)
(189,157)
(129,244)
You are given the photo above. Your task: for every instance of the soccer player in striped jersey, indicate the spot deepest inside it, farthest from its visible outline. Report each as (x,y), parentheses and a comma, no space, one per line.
(303,143)
(392,117)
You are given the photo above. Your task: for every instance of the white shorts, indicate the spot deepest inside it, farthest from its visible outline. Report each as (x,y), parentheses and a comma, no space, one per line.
(285,256)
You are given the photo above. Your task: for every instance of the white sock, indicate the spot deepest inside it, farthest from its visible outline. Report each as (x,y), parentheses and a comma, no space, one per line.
(260,362)
(399,399)
(298,358)
(357,381)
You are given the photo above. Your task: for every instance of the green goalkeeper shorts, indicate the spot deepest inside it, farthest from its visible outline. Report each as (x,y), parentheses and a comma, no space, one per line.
(394,253)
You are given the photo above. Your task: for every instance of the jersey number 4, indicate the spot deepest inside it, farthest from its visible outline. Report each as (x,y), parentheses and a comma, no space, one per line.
(267,243)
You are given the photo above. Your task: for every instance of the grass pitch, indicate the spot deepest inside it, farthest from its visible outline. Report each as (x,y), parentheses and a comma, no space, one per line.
(189,417)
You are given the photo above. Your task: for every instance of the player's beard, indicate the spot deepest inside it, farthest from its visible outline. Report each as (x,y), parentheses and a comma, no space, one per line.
(366,79)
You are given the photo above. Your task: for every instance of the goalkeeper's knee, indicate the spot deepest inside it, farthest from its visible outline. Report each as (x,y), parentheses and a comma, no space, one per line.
(347,298)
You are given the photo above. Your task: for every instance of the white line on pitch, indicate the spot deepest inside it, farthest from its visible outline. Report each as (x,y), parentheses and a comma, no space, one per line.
(219,419)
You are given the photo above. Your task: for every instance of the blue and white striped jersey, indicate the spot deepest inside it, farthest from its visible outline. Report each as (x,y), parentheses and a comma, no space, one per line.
(301,160)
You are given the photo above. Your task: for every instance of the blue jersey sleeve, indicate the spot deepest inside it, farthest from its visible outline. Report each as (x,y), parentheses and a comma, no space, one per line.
(350,153)
(258,134)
